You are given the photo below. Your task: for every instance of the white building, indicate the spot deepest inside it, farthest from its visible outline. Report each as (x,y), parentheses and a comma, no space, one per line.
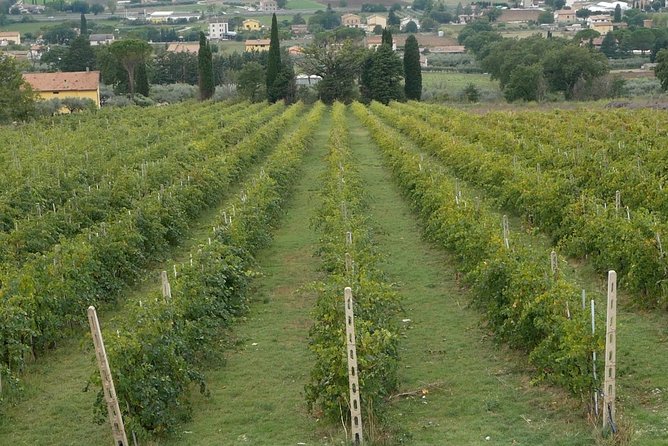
(218,30)
(100,39)
(268,5)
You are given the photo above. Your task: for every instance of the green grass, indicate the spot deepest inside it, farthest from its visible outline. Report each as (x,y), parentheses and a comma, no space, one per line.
(305,4)
(457,81)
(475,388)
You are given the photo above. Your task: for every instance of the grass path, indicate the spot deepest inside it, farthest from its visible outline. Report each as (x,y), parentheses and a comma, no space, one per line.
(257,395)
(483,391)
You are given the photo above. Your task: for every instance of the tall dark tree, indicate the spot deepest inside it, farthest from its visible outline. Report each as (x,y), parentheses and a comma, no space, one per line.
(661,69)
(392,19)
(142,80)
(79,56)
(412,70)
(609,45)
(205,69)
(618,14)
(84,25)
(386,37)
(381,76)
(274,62)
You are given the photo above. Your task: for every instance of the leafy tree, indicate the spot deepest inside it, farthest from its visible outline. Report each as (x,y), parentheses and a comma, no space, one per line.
(79,56)
(382,74)
(129,53)
(412,69)
(80,6)
(609,45)
(392,19)
(142,80)
(642,39)
(564,67)
(172,68)
(472,28)
(274,62)
(411,27)
(326,20)
(377,30)
(17,99)
(297,19)
(546,17)
(423,5)
(526,83)
(582,13)
(60,34)
(54,57)
(585,35)
(660,43)
(493,14)
(285,85)
(428,24)
(251,82)
(111,5)
(661,70)
(96,9)
(281,3)
(338,66)
(479,43)
(441,16)
(373,7)
(618,14)
(395,7)
(83,28)
(205,69)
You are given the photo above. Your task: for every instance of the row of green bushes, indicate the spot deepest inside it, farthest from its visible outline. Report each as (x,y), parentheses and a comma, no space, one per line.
(159,352)
(376,306)
(47,295)
(130,179)
(572,213)
(525,303)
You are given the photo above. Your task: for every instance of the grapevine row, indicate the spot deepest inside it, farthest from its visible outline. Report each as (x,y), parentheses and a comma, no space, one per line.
(46,296)
(350,261)
(38,234)
(525,303)
(631,245)
(158,353)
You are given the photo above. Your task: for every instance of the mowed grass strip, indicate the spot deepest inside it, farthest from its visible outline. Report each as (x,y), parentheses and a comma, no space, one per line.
(461,387)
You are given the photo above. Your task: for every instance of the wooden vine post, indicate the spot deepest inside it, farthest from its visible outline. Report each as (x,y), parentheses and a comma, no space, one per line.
(610,353)
(353,381)
(166,287)
(115,416)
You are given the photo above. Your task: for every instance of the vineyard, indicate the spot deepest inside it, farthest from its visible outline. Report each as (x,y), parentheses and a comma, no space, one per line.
(216,240)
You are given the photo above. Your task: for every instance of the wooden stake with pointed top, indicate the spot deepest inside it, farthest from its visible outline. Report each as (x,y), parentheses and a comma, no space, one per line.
(115,416)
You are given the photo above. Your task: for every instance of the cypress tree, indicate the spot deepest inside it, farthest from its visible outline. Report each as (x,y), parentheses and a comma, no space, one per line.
(412,70)
(273,62)
(84,25)
(618,14)
(205,69)
(142,80)
(386,38)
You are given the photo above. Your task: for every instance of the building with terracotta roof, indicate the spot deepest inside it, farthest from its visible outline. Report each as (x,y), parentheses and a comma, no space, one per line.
(10,38)
(256,45)
(351,20)
(77,84)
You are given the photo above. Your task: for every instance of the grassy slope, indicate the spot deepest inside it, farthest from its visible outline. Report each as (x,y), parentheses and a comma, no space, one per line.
(257,395)
(482,389)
